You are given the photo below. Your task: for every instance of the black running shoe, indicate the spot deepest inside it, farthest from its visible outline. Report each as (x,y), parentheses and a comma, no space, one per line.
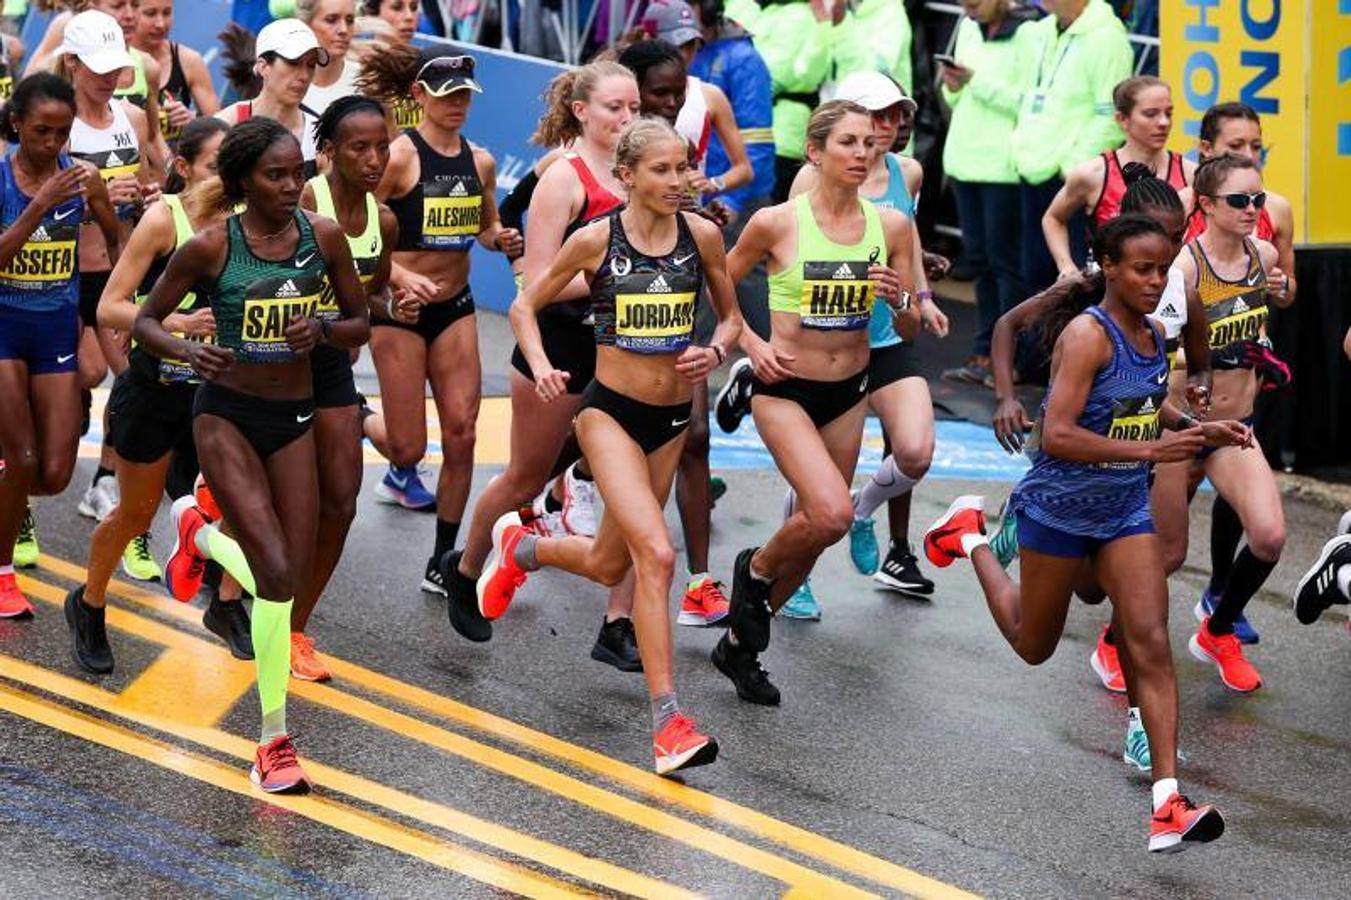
(433,582)
(88,638)
(743,667)
(734,400)
(617,646)
(749,612)
(229,621)
(900,572)
(1318,589)
(465,617)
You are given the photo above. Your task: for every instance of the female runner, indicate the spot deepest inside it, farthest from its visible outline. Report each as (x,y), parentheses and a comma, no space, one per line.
(262,271)
(1144,110)
(588,108)
(184,91)
(333,23)
(443,190)
(150,408)
(830,254)
(401,16)
(647,266)
(45,195)
(351,133)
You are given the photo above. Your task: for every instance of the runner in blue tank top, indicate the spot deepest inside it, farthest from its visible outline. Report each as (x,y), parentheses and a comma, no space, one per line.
(1087,497)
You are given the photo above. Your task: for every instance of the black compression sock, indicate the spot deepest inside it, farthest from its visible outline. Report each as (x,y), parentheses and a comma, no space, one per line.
(1226,531)
(446,532)
(100,472)
(1248,575)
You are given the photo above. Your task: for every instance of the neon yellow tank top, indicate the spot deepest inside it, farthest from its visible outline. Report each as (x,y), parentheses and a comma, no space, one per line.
(366,247)
(827,284)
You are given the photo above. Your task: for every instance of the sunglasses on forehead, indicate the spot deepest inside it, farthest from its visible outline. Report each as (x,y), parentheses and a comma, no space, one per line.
(444,74)
(1241,200)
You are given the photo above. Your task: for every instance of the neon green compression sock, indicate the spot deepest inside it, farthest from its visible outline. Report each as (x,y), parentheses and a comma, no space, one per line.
(215,545)
(271,631)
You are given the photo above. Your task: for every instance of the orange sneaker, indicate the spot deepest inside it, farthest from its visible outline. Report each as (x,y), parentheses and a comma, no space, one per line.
(206,500)
(13,604)
(305,663)
(1179,821)
(501,577)
(277,770)
(704,604)
(680,745)
(186,566)
(1107,664)
(1226,653)
(943,540)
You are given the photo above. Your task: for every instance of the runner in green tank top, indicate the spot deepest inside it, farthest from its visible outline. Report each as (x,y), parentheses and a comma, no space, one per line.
(254,409)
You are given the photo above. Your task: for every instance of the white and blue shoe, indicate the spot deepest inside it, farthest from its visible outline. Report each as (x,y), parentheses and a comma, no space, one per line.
(802,605)
(1137,744)
(863,549)
(402,486)
(1243,630)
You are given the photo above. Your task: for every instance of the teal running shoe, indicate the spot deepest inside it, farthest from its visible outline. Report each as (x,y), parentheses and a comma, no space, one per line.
(863,548)
(802,605)
(1004,544)
(1137,745)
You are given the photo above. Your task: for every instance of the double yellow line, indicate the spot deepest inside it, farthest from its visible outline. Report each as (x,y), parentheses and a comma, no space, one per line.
(134,705)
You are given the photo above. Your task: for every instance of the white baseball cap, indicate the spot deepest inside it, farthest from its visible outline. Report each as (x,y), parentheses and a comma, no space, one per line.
(95,39)
(874,91)
(290,39)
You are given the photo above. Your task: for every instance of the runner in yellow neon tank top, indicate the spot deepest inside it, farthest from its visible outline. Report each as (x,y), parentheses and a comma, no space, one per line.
(831,255)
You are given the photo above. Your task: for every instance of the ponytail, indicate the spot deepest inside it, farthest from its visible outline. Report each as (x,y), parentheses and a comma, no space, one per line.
(388,75)
(559,125)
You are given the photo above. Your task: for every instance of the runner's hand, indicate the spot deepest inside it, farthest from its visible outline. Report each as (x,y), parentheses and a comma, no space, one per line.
(886,283)
(695,363)
(933,318)
(209,360)
(150,192)
(1011,424)
(936,266)
(199,323)
(1278,284)
(419,287)
(769,363)
(303,334)
(174,110)
(1198,394)
(63,186)
(124,189)
(1227,433)
(551,384)
(405,308)
(510,242)
(1177,446)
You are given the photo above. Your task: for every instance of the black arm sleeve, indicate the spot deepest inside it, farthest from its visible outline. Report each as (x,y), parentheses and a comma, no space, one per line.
(512,210)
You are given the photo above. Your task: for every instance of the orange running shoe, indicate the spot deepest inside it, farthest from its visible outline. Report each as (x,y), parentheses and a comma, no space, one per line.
(501,577)
(704,604)
(277,770)
(1180,821)
(305,663)
(1107,664)
(186,566)
(943,540)
(1226,653)
(680,745)
(13,604)
(206,500)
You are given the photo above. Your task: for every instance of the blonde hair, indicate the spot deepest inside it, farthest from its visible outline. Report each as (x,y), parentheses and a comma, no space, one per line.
(827,116)
(638,138)
(307,9)
(559,125)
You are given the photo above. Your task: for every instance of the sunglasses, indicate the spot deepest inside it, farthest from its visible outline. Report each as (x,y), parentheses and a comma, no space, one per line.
(447,73)
(1242,201)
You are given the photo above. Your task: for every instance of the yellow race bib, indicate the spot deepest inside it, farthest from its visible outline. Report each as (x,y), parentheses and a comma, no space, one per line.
(654,313)
(836,296)
(269,306)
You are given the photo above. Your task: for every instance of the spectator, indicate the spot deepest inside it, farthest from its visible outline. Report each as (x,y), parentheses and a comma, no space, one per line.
(1075,57)
(875,37)
(984,92)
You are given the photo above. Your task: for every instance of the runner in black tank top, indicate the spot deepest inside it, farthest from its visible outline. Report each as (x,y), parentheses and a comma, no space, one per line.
(185,90)
(444,192)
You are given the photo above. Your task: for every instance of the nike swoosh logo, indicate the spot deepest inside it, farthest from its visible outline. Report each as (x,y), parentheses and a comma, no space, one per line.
(681,260)
(62,360)
(677,424)
(63,215)
(300,263)
(301,420)
(1162,378)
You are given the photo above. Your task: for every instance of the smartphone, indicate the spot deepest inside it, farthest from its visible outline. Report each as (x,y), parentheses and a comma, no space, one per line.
(946,60)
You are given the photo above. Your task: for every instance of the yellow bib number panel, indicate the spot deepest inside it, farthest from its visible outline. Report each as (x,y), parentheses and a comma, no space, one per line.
(270,306)
(654,313)
(836,296)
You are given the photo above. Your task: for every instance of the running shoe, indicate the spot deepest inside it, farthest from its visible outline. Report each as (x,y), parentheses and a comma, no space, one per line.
(1137,745)
(801,604)
(1226,653)
(717,487)
(465,617)
(1318,589)
(544,521)
(137,562)
(186,566)
(431,577)
(863,550)
(704,603)
(749,614)
(1107,664)
(1004,544)
(734,400)
(579,504)
(13,604)
(1344,523)
(943,540)
(1243,630)
(100,498)
(1179,822)
(305,663)
(277,770)
(900,572)
(26,547)
(501,576)
(742,666)
(229,621)
(88,637)
(617,646)
(402,486)
(680,745)
(974,371)
(205,499)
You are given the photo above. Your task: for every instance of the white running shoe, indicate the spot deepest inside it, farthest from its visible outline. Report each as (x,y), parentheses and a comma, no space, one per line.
(100,499)
(579,504)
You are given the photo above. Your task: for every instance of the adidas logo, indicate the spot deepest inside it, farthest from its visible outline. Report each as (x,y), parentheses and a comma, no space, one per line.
(458,190)
(113,160)
(40,235)
(1239,307)
(288,289)
(1148,406)
(659,286)
(1169,310)
(843,272)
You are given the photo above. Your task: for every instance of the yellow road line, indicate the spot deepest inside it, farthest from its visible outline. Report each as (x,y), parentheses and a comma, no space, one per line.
(191,687)
(765,827)
(443,854)
(428,812)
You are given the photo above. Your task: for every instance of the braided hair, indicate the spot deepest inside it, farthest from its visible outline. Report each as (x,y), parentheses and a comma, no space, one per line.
(326,128)
(244,144)
(1145,190)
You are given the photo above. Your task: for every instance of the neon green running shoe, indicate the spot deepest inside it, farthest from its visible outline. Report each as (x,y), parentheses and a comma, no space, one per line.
(26,547)
(137,562)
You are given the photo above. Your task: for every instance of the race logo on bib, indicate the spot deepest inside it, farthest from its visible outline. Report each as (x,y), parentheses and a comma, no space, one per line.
(270,305)
(654,313)
(836,296)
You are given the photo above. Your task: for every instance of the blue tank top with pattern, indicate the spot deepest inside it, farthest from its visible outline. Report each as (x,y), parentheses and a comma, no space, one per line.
(882,326)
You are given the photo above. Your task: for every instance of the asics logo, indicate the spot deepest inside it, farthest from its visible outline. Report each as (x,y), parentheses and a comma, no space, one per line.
(62,360)
(301,262)
(301,420)
(62,215)
(681,260)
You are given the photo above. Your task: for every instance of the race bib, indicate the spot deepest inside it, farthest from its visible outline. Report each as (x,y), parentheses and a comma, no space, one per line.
(47,258)
(654,313)
(6,86)
(270,305)
(1135,419)
(1237,319)
(112,163)
(450,214)
(407,114)
(836,296)
(172,371)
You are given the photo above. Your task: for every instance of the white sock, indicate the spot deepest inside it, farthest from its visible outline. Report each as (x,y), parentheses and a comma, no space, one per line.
(1343,581)
(7,569)
(887,482)
(1163,789)
(971,540)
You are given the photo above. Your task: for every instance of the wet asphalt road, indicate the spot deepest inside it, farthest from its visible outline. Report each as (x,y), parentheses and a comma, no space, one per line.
(909,732)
